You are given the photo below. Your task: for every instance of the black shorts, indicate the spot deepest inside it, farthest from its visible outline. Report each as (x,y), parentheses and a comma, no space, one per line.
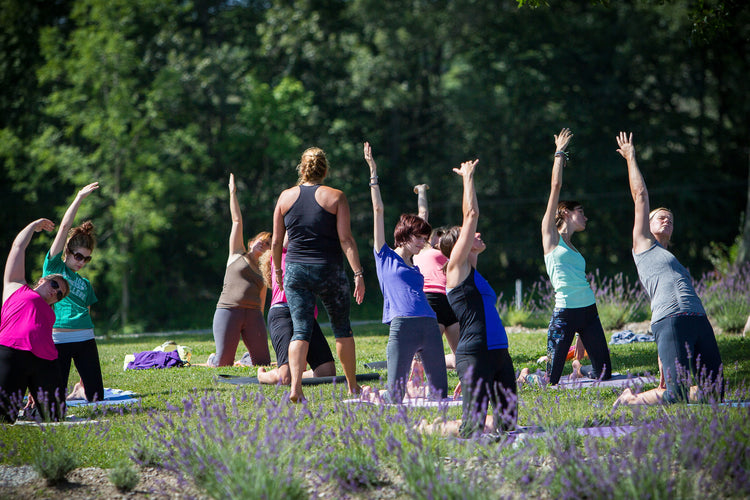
(281,331)
(439,304)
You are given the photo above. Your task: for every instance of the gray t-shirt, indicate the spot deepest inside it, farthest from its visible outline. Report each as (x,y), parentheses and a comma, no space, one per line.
(667,283)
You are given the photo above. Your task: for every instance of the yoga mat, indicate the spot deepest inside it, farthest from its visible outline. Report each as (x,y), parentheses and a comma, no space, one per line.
(415,402)
(111,397)
(340,379)
(377,365)
(69,420)
(730,404)
(522,434)
(617,380)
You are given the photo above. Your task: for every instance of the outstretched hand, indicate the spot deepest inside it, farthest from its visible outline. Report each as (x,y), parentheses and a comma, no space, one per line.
(626,149)
(232,185)
(467,168)
(562,139)
(421,187)
(369,159)
(87,190)
(43,225)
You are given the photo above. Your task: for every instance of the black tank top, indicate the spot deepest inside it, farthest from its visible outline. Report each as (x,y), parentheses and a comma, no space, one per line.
(313,236)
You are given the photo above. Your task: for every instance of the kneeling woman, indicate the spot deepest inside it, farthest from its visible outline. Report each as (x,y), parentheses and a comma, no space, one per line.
(413,323)
(482,360)
(281,329)
(28,358)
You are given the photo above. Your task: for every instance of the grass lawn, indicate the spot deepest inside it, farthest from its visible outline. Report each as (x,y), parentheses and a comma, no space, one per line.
(190,422)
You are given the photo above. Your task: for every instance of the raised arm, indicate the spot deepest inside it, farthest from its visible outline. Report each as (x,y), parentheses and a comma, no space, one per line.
(349,245)
(421,191)
(458,265)
(550,236)
(15,267)
(378,230)
(236,236)
(642,237)
(67,222)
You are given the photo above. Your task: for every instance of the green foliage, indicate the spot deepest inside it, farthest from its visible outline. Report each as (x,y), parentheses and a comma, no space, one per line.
(124,476)
(54,459)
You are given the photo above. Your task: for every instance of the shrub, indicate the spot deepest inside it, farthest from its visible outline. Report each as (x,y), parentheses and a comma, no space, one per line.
(726,296)
(54,460)
(124,476)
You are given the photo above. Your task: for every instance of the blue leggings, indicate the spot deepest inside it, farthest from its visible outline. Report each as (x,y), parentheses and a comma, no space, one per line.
(563,326)
(688,351)
(303,283)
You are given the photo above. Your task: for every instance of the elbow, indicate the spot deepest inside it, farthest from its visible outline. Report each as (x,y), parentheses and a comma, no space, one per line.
(471,214)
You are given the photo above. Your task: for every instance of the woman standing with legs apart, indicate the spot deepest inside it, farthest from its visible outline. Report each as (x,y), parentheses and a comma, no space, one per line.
(318,221)
(684,338)
(74,330)
(575,305)
(239,312)
(413,323)
(482,360)
(28,358)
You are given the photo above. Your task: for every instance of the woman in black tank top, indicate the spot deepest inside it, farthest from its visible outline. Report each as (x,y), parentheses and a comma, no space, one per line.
(317,220)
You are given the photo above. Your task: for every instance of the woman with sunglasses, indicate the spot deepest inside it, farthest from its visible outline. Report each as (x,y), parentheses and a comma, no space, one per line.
(28,358)
(73,331)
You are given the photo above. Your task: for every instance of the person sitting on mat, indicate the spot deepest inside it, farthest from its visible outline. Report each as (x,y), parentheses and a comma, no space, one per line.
(484,365)
(28,357)
(684,337)
(413,323)
(575,304)
(239,312)
(280,327)
(431,263)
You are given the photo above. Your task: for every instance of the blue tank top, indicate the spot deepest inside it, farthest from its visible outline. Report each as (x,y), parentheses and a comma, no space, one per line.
(473,302)
(313,235)
(566,269)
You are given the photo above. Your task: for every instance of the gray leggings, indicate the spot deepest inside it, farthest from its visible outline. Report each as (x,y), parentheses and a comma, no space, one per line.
(232,324)
(407,336)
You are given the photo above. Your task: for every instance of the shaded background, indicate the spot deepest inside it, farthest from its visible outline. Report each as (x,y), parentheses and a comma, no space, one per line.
(160,100)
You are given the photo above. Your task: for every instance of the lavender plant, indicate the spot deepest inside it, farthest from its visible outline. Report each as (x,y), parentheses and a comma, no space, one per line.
(618,301)
(726,296)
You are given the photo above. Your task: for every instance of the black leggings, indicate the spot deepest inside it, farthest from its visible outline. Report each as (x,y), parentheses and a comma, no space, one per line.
(22,371)
(563,326)
(487,377)
(86,357)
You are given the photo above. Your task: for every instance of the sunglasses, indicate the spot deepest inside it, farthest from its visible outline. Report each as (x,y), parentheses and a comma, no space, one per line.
(55,285)
(82,258)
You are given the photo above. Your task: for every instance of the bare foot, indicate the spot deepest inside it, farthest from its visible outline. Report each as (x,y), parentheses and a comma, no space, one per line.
(523,376)
(627,397)
(297,398)
(78,392)
(356,390)
(457,392)
(371,395)
(576,370)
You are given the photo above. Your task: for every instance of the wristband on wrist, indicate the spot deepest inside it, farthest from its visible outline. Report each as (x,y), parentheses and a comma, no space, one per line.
(359,273)
(564,155)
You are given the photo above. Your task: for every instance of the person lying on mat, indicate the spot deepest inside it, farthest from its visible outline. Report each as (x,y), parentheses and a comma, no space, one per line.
(280,327)
(413,323)
(684,337)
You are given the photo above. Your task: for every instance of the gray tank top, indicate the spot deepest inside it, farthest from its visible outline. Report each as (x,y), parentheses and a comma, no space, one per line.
(667,283)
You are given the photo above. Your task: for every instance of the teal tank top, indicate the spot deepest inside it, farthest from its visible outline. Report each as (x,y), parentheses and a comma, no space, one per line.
(567,272)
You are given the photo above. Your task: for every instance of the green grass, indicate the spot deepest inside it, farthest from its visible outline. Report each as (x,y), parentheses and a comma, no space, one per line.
(111,441)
